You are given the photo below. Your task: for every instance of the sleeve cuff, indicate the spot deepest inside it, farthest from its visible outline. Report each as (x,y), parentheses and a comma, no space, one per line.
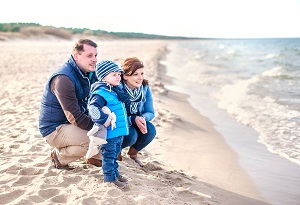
(133,119)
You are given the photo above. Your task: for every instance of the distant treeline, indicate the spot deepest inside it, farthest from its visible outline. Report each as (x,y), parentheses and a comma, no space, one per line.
(67,33)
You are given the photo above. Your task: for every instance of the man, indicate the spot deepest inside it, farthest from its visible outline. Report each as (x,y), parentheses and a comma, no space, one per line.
(64,120)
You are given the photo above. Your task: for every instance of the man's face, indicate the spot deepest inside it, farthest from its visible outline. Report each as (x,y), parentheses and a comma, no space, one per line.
(87,59)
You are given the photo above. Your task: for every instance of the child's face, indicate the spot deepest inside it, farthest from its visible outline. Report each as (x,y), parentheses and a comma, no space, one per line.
(113,78)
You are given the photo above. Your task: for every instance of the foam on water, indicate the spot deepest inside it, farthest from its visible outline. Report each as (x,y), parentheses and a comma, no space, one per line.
(271,120)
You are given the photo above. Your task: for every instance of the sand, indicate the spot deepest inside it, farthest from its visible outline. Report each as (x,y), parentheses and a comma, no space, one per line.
(187,163)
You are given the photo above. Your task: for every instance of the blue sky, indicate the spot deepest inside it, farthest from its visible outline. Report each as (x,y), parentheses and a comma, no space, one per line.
(191,18)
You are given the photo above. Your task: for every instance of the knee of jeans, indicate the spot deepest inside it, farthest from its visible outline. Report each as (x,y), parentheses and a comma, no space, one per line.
(130,139)
(151,129)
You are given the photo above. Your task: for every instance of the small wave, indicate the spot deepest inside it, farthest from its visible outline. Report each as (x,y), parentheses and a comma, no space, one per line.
(277,72)
(222,46)
(231,52)
(276,123)
(269,56)
(198,55)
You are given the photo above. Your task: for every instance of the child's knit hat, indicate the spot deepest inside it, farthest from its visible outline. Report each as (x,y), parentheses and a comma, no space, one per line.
(105,67)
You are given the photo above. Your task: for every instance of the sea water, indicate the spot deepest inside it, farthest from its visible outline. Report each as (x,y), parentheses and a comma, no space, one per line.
(254,85)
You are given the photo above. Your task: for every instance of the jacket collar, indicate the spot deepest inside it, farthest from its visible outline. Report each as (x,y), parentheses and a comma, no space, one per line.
(103,85)
(74,65)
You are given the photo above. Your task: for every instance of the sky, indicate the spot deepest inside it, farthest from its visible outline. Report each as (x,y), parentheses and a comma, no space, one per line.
(189,18)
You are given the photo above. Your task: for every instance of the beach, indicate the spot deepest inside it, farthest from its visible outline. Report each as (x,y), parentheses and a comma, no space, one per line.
(188,162)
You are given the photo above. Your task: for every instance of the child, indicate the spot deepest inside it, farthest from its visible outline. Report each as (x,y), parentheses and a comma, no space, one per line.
(106,92)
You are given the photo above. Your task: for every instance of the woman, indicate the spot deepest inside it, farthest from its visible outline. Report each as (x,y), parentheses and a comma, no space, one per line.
(140,108)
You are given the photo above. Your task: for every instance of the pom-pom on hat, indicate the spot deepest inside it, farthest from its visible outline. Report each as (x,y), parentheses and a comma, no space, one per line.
(105,67)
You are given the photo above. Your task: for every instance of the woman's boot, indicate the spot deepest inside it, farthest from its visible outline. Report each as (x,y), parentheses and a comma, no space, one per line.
(133,153)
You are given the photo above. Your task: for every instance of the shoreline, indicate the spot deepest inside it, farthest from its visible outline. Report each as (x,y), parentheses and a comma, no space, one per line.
(275,178)
(203,146)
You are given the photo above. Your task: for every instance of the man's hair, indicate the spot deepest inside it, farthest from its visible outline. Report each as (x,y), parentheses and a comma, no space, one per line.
(78,47)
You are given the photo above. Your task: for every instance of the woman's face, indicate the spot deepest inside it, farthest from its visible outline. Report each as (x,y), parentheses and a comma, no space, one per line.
(135,80)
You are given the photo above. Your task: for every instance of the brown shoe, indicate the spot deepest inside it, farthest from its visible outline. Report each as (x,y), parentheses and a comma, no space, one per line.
(117,183)
(133,153)
(135,158)
(57,163)
(122,179)
(93,161)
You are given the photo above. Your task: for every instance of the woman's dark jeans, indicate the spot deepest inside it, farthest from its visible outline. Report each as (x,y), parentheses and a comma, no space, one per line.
(138,140)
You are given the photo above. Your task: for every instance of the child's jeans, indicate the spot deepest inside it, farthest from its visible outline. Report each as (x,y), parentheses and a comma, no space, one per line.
(110,152)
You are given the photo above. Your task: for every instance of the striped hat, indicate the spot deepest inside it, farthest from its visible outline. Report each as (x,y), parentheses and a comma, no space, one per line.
(105,67)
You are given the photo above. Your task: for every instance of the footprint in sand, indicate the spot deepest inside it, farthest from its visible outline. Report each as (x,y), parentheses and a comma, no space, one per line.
(41,164)
(90,200)
(2,148)
(60,199)
(66,181)
(48,193)
(35,148)
(23,180)
(193,196)
(30,171)
(112,190)
(164,193)
(14,146)
(6,198)
(25,161)
(35,199)
(51,172)
(152,167)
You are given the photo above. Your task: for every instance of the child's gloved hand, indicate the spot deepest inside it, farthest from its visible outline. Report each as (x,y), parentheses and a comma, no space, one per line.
(106,110)
(112,115)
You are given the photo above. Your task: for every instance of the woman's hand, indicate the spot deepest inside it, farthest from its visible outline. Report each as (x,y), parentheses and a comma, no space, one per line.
(141,123)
